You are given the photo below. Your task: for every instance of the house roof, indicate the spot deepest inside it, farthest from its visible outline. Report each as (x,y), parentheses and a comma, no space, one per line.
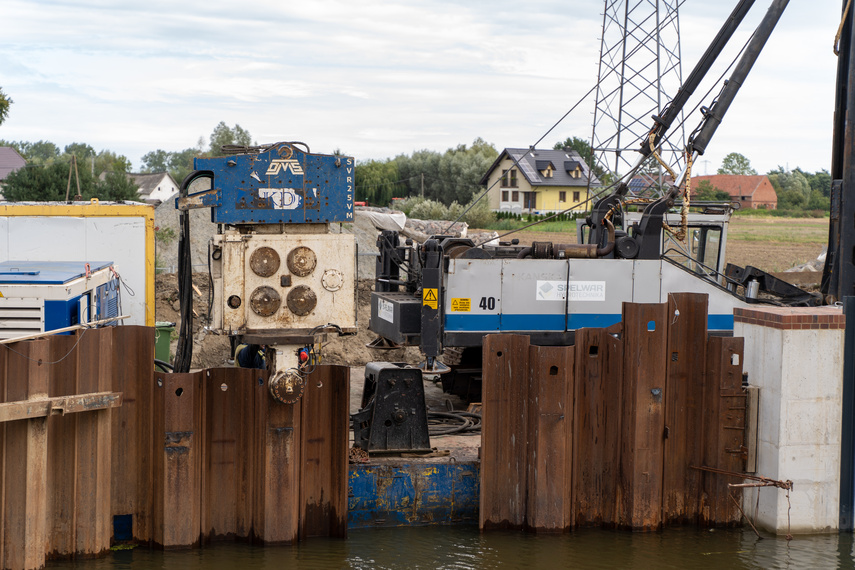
(532,161)
(734,184)
(148,183)
(10,161)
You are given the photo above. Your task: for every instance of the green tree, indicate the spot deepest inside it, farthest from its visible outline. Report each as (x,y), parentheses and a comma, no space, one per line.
(178,164)
(181,163)
(155,161)
(452,176)
(705,191)
(5,103)
(116,186)
(378,181)
(223,135)
(735,163)
(792,187)
(109,161)
(819,181)
(48,183)
(80,150)
(40,152)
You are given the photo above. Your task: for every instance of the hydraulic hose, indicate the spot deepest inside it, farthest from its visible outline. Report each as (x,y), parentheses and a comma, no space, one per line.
(184,350)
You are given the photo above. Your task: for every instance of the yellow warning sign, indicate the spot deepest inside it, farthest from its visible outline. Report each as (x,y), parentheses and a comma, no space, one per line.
(1,293)
(430,298)
(461,304)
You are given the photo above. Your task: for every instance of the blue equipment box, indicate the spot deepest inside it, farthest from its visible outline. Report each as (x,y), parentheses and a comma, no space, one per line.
(38,296)
(282,185)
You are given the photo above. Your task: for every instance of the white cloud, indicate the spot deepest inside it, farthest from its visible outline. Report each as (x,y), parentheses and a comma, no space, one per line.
(376,78)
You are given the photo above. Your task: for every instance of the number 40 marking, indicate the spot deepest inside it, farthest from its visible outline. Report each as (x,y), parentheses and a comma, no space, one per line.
(488,303)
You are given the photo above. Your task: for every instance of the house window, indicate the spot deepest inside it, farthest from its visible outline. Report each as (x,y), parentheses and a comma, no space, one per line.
(504,195)
(562,196)
(530,200)
(576,197)
(515,196)
(509,178)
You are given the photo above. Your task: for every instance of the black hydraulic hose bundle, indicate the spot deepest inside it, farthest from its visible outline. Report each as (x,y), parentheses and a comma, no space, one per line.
(184,351)
(453,422)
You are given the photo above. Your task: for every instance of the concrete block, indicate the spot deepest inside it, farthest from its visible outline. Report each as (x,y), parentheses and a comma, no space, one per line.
(798,366)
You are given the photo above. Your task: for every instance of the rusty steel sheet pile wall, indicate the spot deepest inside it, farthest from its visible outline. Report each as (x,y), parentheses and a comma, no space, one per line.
(55,439)
(609,432)
(232,463)
(90,435)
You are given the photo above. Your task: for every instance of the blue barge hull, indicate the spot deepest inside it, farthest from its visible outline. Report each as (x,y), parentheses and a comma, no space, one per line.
(413,494)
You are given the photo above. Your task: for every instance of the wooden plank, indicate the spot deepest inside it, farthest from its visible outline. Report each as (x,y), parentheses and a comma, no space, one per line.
(596,431)
(643,423)
(25,480)
(177,459)
(276,485)
(60,406)
(687,336)
(724,429)
(228,453)
(93,528)
(503,432)
(550,439)
(324,424)
(133,446)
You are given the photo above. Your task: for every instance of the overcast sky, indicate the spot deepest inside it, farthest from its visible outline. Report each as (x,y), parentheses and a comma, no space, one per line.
(379,78)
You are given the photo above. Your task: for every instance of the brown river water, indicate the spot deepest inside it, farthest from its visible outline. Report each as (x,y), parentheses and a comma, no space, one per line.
(464,547)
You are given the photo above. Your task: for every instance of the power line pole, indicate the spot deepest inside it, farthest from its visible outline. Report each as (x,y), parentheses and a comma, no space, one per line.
(639,73)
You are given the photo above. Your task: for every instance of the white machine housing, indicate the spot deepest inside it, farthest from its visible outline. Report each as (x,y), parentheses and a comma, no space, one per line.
(264,282)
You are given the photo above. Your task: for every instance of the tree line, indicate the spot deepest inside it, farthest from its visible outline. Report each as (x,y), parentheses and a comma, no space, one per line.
(797,189)
(78,170)
(448,178)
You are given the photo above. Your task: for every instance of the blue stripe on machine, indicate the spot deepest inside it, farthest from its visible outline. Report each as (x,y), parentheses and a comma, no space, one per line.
(464,323)
(532,322)
(471,322)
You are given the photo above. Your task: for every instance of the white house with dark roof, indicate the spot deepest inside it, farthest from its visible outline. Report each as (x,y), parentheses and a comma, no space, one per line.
(154,187)
(524,180)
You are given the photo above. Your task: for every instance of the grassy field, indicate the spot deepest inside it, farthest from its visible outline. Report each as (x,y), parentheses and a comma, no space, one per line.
(771,244)
(775,244)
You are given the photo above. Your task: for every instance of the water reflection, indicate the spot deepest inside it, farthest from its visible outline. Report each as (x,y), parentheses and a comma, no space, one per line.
(463,547)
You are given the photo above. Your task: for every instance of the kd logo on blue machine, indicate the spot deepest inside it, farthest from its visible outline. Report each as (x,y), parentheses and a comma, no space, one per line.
(284,164)
(282,198)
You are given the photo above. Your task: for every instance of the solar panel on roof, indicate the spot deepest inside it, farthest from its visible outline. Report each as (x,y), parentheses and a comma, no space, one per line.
(528,171)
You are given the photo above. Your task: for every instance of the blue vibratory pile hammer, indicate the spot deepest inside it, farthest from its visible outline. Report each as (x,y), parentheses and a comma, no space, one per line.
(281,278)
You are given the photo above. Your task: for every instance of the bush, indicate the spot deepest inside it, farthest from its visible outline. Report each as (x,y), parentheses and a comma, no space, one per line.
(407,204)
(480,216)
(429,210)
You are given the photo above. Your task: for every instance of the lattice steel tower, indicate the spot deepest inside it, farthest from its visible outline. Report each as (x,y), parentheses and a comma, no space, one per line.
(639,73)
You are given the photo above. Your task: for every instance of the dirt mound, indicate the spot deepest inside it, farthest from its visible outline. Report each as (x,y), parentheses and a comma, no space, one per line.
(211,350)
